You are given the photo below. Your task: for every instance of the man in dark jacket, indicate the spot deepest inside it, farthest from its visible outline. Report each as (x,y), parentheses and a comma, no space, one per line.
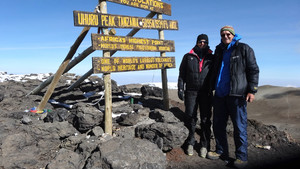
(193,87)
(235,78)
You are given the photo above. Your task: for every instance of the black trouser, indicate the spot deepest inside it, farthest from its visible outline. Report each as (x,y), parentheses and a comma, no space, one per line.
(193,99)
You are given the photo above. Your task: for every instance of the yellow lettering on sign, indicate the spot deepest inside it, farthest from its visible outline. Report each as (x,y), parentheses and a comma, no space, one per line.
(168,65)
(157,42)
(162,59)
(111,21)
(112,39)
(116,39)
(138,41)
(116,61)
(126,47)
(105,61)
(104,20)
(151,66)
(127,60)
(108,68)
(108,46)
(164,48)
(125,2)
(158,4)
(135,4)
(108,21)
(141,67)
(87,19)
(126,67)
(173,25)
(103,38)
(153,3)
(127,21)
(144,6)
(147,60)
(155,24)
(130,60)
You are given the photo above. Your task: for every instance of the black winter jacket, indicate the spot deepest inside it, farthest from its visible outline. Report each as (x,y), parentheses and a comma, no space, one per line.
(189,72)
(244,71)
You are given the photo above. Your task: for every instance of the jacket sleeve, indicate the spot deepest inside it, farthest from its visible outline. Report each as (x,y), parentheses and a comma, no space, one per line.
(252,71)
(181,77)
(214,69)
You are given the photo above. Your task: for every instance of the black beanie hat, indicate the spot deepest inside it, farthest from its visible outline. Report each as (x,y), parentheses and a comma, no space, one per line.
(202,36)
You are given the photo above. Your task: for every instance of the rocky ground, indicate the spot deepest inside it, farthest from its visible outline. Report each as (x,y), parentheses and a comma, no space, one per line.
(70,134)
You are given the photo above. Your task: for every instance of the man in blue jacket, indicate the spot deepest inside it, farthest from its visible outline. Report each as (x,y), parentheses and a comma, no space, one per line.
(193,88)
(235,78)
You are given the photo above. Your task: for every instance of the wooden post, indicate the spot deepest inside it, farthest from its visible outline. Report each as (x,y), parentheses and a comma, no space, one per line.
(164,72)
(61,69)
(107,81)
(74,62)
(82,78)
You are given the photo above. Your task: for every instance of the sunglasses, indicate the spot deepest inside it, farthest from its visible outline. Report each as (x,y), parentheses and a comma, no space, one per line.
(202,42)
(225,34)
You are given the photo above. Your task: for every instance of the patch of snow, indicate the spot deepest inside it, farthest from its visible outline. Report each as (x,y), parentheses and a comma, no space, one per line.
(23,78)
(171,85)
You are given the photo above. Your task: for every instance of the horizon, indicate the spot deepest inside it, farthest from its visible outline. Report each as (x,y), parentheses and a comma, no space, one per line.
(39,41)
(43,76)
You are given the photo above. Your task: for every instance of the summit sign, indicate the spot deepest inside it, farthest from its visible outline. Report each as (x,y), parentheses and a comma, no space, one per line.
(91,19)
(150,5)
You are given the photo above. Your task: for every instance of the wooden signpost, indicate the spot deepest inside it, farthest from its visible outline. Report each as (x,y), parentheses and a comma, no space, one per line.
(110,44)
(107,43)
(120,21)
(123,64)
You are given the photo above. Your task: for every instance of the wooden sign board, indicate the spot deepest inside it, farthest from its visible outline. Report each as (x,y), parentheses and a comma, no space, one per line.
(125,43)
(90,19)
(123,64)
(150,5)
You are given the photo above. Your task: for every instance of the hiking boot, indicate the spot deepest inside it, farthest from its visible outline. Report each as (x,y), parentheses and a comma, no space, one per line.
(239,163)
(213,155)
(203,152)
(190,150)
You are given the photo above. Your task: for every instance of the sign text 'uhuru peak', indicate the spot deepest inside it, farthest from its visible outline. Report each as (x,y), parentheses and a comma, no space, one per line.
(91,19)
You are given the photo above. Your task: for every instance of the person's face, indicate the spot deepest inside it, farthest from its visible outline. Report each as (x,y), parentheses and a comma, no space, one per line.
(202,43)
(226,37)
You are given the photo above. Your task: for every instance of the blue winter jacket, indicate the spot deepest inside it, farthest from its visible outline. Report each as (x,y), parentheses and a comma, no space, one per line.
(235,70)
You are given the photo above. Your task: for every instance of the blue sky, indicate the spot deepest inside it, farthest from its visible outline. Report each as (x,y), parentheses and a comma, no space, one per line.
(36,35)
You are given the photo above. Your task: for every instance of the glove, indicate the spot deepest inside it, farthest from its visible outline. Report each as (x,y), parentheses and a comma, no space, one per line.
(180,94)
(180,86)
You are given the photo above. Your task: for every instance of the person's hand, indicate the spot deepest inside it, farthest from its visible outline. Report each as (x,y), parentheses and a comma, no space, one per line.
(180,94)
(250,97)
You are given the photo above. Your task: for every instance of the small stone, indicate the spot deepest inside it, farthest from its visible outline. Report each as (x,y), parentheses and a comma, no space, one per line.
(26,120)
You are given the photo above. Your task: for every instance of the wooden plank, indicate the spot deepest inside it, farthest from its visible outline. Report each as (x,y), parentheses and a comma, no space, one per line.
(150,5)
(124,43)
(123,64)
(92,19)
(62,68)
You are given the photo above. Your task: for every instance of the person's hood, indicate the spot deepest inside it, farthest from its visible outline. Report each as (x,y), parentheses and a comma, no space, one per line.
(236,38)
